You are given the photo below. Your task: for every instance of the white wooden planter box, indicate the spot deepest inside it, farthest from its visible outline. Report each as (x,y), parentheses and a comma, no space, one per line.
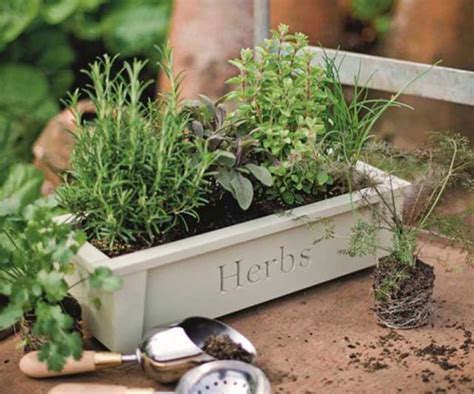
(221,271)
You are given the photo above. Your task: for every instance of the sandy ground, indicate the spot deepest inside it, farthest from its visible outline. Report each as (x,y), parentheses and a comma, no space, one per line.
(325,340)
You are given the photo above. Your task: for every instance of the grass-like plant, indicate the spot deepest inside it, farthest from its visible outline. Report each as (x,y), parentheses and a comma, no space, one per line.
(352,121)
(134,174)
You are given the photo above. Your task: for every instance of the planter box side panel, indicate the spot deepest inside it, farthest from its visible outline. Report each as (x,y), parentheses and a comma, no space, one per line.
(246,274)
(118,322)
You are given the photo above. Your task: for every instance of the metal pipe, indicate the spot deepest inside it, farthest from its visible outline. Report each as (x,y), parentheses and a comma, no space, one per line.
(261,17)
(390,75)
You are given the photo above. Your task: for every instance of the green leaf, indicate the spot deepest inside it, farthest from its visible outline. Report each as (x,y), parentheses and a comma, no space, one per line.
(225,158)
(367,10)
(322,178)
(63,254)
(23,88)
(135,28)
(45,110)
(74,343)
(288,197)
(243,190)
(97,303)
(50,319)
(5,288)
(9,316)
(59,348)
(15,16)
(261,173)
(50,353)
(53,284)
(103,278)
(224,176)
(22,187)
(56,11)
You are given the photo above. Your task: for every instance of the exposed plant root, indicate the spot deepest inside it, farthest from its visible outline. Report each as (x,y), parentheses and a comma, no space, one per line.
(403,295)
(407,312)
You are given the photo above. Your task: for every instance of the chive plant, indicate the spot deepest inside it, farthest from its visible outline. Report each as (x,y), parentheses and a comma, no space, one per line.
(134,173)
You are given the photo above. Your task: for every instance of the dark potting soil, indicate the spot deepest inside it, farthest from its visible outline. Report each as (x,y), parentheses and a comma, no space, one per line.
(418,278)
(222,347)
(222,211)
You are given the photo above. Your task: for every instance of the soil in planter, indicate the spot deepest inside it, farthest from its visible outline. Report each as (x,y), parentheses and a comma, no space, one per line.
(223,211)
(406,299)
(222,347)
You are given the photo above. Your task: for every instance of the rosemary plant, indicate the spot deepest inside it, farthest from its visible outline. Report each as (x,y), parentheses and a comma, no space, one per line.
(134,173)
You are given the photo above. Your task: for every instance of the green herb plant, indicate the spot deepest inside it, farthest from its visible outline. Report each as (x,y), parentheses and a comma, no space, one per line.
(298,114)
(451,160)
(353,121)
(236,166)
(35,258)
(135,174)
(281,101)
(415,165)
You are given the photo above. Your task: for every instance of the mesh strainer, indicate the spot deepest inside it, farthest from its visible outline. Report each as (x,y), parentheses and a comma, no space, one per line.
(224,377)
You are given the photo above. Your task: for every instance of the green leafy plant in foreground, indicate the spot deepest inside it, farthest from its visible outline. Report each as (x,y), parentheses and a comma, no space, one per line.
(35,258)
(135,175)
(237,154)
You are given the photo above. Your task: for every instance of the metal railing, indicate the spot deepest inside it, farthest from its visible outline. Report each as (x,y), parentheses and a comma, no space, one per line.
(385,74)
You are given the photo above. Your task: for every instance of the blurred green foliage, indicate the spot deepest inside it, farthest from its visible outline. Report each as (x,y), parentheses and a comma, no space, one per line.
(45,43)
(375,12)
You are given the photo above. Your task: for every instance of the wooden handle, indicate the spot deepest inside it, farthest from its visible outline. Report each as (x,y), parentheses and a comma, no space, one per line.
(31,366)
(73,388)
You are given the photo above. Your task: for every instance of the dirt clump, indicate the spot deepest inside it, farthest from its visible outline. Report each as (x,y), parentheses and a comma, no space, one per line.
(222,347)
(439,355)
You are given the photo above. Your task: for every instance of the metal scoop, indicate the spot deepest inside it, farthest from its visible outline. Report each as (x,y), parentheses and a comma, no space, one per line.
(218,377)
(165,354)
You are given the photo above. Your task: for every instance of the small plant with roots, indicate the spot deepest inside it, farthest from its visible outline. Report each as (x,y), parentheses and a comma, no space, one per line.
(403,284)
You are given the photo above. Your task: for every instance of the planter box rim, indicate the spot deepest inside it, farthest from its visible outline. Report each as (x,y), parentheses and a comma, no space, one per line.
(91,257)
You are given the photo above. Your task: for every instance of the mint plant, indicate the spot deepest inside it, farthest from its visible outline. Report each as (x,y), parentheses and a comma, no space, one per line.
(135,174)
(35,258)
(281,101)
(236,167)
